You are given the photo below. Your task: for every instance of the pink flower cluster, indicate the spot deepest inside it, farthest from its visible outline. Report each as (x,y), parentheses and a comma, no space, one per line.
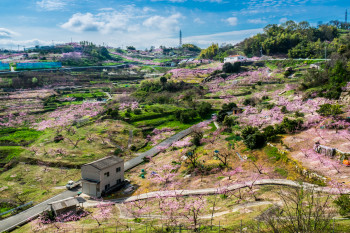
(67,115)
(265,117)
(125,105)
(143,61)
(12,120)
(182,143)
(159,135)
(165,174)
(72,55)
(186,73)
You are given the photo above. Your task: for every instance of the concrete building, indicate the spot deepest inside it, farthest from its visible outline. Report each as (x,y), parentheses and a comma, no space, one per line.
(102,176)
(235,58)
(64,206)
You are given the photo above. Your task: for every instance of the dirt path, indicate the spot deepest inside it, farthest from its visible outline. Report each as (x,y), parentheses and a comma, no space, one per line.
(211,191)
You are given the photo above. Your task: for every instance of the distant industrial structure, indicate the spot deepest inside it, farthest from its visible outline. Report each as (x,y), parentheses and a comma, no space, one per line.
(346,16)
(180,42)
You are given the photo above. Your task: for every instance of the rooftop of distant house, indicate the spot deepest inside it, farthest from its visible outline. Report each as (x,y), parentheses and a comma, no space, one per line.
(105,162)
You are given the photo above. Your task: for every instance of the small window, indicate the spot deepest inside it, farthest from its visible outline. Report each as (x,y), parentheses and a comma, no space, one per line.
(117,169)
(107,174)
(107,186)
(119,181)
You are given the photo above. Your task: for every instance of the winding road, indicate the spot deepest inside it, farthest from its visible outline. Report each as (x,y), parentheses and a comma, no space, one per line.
(12,222)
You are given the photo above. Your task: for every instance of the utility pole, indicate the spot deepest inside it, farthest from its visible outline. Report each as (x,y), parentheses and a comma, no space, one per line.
(261,54)
(325,52)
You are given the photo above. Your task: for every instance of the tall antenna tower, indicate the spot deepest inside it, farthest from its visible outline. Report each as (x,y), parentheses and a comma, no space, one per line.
(180,38)
(346,16)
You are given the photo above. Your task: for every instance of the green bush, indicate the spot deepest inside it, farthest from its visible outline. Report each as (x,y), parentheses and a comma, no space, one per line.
(137,111)
(270,133)
(330,109)
(231,67)
(291,125)
(253,138)
(343,203)
(204,109)
(228,107)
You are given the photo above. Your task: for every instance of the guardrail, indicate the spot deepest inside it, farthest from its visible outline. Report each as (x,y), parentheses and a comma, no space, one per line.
(14,209)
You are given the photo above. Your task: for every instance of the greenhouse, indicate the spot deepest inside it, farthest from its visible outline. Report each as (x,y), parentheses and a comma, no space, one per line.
(4,66)
(39,65)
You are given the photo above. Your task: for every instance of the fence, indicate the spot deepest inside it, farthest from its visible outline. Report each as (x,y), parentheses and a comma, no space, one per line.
(38,65)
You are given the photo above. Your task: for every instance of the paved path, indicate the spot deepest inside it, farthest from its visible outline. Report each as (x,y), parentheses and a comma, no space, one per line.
(155,150)
(108,95)
(21,218)
(130,138)
(210,191)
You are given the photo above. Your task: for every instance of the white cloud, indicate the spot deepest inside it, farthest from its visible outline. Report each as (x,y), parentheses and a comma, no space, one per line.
(283,20)
(257,21)
(8,43)
(232,37)
(103,22)
(232,21)
(6,33)
(165,24)
(51,5)
(198,20)
(127,19)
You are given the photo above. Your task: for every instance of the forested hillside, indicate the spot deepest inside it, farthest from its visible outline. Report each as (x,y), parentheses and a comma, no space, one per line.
(290,39)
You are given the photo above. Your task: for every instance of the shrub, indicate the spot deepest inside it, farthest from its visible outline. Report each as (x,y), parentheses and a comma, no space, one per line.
(284,109)
(291,125)
(133,148)
(113,113)
(253,138)
(197,136)
(231,67)
(228,107)
(330,109)
(270,133)
(204,109)
(137,111)
(117,151)
(185,117)
(343,203)
(221,116)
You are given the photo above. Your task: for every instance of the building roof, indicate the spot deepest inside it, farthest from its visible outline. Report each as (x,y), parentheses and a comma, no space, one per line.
(62,204)
(105,162)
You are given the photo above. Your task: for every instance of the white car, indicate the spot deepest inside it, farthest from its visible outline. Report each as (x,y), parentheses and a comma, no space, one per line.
(71,184)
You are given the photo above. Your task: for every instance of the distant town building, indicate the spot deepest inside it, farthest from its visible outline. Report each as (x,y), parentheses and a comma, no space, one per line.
(101,176)
(234,58)
(64,206)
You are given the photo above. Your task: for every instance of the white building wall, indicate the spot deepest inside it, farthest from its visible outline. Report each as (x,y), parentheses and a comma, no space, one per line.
(113,176)
(89,172)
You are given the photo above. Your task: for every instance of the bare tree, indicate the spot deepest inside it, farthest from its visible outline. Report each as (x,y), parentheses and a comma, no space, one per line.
(302,210)
(74,144)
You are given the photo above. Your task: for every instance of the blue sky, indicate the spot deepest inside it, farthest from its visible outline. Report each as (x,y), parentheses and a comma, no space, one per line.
(145,23)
